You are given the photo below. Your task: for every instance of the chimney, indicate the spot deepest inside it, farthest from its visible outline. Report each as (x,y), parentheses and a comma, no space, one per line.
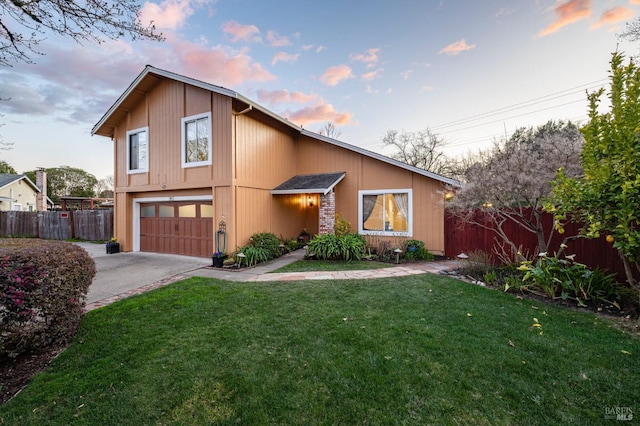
(41,183)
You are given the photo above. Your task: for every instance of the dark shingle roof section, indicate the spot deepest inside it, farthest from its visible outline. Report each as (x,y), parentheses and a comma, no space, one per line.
(6,179)
(320,183)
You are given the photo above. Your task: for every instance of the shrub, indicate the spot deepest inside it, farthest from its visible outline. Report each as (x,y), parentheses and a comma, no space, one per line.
(567,278)
(477,264)
(290,244)
(268,242)
(342,226)
(380,248)
(352,246)
(332,247)
(325,247)
(414,250)
(43,286)
(255,255)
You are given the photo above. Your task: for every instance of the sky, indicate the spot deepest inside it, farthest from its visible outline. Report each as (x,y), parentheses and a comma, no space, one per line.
(470,71)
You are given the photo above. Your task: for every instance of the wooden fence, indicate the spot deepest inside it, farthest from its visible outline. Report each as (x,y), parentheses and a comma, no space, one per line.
(90,225)
(465,238)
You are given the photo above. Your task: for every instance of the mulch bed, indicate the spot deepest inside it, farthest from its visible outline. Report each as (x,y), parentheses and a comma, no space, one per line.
(16,373)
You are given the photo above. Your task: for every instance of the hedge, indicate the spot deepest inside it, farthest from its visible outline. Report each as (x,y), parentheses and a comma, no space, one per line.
(43,288)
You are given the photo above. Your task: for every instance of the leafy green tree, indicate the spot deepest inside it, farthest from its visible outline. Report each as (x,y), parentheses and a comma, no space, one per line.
(5,168)
(65,181)
(606,198)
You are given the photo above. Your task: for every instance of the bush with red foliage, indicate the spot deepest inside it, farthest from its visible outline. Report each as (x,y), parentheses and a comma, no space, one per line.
(43,287)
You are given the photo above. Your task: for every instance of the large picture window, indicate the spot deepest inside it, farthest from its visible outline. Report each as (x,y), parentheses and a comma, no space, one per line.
(385,212)
(138,150)
(196,140)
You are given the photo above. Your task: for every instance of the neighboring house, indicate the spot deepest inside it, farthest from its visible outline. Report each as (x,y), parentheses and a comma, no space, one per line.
(18,193)
(192,158)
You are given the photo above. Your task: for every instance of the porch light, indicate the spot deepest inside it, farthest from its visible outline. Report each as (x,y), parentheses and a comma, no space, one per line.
(310,201)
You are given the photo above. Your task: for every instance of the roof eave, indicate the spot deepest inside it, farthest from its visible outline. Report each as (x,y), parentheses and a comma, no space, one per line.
(298,191)
(381,157)
(187,80)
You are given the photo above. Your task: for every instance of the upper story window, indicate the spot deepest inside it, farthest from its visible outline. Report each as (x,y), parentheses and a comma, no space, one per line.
(138,150)
(385,212)
(196,140)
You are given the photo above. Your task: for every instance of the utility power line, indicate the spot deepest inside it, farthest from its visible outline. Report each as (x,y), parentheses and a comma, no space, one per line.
(524,104)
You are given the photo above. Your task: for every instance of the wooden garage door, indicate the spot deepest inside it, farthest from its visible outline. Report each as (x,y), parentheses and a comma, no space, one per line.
(184,227)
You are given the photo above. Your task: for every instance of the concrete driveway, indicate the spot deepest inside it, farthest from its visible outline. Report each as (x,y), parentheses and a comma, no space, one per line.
(122,272)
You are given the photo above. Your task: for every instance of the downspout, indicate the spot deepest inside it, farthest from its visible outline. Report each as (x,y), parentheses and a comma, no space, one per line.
(234,175)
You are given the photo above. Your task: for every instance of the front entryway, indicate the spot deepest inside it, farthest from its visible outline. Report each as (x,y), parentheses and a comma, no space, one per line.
(184,227)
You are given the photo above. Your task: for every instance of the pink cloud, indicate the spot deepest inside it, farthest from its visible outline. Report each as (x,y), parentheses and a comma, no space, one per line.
(567,13)
(503,12)
(318,113)
(370,56)
(318,49)
(635,2)
(406,74)
(284,57)
(169,15)
(216,65)
(275,40)
(336,74)
(372,75)
(613,16)
(274,97)
(239,32)
(457,47)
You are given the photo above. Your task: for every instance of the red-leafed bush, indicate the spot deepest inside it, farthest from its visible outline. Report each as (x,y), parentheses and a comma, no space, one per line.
(43,286)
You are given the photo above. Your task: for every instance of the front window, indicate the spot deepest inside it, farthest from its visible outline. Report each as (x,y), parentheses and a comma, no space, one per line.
(385,212)
(137,150)
(196,140)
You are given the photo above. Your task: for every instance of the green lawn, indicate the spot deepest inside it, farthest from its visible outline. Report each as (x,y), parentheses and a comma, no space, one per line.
(417,350)
(332,265)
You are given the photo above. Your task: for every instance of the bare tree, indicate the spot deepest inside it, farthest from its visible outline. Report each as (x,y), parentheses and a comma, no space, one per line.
(330,130)
(4,145)
(632,32)
(105,187)
(421,149)
(23,24)
(457,167)
(511,182)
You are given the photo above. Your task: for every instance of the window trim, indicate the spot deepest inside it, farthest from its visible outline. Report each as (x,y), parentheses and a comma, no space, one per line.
(407,233)
(128,142)
(183,146)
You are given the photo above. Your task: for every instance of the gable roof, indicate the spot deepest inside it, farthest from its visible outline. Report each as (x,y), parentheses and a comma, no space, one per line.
(320,183)
(8,179)
(151,76)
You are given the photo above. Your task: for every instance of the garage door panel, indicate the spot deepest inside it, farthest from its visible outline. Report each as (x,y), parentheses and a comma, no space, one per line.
(177,228)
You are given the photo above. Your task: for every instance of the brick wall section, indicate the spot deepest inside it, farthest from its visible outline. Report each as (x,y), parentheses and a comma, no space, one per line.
(41,183)
(327,213)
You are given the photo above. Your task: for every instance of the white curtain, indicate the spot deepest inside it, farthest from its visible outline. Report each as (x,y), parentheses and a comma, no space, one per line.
(402,202)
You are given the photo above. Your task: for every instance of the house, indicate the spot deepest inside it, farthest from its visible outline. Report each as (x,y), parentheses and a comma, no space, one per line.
(200,167)
(19,193)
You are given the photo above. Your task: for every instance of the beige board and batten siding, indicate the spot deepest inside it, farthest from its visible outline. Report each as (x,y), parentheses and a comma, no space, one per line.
(367,173)
(161,110)
(265,157)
